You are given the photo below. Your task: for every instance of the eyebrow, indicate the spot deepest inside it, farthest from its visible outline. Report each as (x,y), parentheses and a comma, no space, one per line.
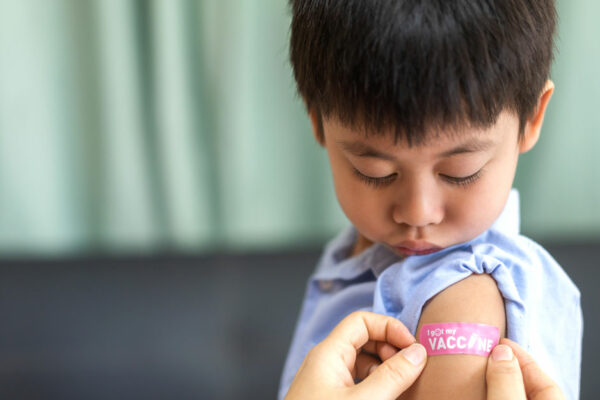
(361,149)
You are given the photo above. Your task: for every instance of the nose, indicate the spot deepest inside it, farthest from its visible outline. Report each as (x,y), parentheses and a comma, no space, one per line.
(418,205)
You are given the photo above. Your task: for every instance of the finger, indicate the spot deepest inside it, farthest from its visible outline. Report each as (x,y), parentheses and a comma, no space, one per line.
(503,375)
(365,364)
(370,347)
(394,376)
(382,350)
(538,385)
(361,326)
(386,350)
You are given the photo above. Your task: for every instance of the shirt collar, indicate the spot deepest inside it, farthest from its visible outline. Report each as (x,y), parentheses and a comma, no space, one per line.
(509,221)
(335,263)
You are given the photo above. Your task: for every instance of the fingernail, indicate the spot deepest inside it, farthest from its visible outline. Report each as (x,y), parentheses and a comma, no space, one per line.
(372,369)
(415,353)
(502,353)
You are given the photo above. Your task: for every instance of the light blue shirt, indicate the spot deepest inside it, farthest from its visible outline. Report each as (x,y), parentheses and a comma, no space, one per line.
(543,308)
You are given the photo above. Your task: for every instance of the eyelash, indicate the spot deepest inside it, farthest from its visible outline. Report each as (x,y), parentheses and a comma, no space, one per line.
(386,180)
(375,182)
(466,181)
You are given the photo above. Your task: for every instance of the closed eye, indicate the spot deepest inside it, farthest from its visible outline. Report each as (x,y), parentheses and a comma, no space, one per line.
(375,182)
(463,181)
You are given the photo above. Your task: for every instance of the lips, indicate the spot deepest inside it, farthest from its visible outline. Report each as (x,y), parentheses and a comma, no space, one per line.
(417,247)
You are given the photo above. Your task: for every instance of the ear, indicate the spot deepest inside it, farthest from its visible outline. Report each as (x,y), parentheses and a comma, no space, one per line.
(534,125)
(316,122)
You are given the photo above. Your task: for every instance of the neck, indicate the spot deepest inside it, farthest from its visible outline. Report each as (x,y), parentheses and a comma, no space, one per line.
(360,245)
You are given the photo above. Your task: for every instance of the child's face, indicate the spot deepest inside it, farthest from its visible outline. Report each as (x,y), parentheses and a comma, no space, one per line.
(431,196)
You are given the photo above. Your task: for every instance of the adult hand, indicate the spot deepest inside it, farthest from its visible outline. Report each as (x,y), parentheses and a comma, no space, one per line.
(348,353)
(517,377)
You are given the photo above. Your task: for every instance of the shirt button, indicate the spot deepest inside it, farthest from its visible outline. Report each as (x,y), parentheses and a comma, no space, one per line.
(326,286)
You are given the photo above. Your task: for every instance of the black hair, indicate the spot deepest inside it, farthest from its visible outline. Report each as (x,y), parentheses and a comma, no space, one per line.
(417,66)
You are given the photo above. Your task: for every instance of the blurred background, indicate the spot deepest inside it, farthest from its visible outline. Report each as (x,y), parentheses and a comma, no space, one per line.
(162,200)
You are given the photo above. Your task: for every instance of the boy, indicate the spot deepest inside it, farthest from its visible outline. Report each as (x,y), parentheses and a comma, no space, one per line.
(424,107)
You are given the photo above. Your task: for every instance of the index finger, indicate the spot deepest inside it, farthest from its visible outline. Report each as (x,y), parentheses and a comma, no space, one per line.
(361,326)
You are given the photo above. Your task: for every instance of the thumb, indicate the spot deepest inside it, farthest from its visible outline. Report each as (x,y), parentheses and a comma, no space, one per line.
(395,375)
(503,375)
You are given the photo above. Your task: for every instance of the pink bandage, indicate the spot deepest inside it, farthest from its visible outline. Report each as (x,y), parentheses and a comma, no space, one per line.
(459,338)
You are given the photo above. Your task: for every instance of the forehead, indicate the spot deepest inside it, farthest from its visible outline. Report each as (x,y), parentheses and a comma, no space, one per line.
(441,141)
(362,148)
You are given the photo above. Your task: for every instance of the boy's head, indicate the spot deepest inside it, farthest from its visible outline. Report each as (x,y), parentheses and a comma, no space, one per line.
(394,86)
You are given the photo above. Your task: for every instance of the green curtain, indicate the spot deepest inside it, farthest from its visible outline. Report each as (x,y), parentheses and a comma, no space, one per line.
(560,179)
(144,126)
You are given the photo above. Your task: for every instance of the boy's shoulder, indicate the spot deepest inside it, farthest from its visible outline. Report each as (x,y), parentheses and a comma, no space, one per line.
(523,258)
(527,276)
(513,260)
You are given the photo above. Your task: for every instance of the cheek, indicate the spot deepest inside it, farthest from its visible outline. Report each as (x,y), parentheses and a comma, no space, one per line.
(362,205)
(477,209)
(354,199)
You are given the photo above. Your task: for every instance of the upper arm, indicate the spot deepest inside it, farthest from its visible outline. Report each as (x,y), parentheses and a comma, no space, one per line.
(459,376)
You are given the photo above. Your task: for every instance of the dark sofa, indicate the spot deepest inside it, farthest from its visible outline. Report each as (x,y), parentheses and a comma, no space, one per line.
(179,327)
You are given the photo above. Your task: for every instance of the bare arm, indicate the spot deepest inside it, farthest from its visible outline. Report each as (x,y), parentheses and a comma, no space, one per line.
(459,376)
